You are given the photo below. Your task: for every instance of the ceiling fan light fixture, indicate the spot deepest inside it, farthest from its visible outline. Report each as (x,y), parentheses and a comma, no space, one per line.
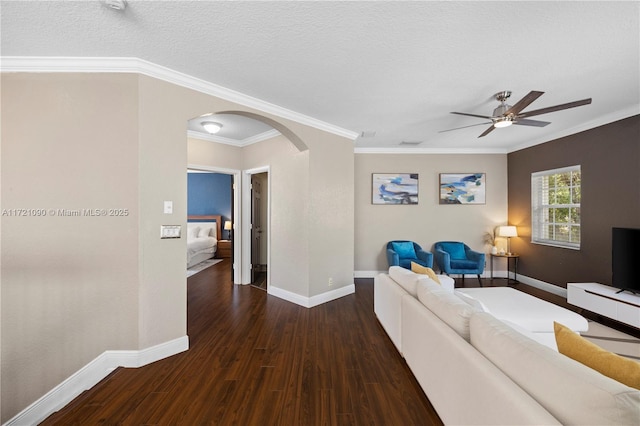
(503,122)
(211,126)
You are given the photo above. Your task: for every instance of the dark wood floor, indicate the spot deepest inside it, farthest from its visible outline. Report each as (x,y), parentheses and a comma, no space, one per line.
(257,360)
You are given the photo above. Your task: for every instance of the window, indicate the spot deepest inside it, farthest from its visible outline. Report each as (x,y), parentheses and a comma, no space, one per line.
(555,207)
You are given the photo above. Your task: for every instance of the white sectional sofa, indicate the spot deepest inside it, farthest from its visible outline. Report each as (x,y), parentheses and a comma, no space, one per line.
(478,370)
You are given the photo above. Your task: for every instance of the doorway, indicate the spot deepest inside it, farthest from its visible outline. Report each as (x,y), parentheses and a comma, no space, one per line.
(227,189)
(259,229)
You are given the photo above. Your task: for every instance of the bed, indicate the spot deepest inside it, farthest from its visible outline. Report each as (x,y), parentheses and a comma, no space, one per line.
(202,238)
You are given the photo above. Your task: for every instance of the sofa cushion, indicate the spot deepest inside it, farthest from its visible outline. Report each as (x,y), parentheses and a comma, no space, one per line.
(404,249)
(611,365)
(455,250)
(463,264)
(423,270)
(573,393)
(446,306)
(471,301)
(405,278)
(447,283)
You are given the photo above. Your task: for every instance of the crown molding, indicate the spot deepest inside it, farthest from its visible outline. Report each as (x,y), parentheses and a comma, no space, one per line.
(260,137)
(631,111)
(429,151)
(235,142)
(140,66)
(213,138)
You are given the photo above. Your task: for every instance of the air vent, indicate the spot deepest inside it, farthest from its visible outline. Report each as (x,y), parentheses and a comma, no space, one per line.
(367,133)
(116,4)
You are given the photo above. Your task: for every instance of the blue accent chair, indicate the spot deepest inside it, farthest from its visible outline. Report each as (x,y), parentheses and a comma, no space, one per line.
(454,257)
(402,253)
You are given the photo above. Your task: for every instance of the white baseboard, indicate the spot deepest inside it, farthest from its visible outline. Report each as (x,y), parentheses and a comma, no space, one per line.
(89,375)
(367,274)
(310,302)
(372,274)
(542,285)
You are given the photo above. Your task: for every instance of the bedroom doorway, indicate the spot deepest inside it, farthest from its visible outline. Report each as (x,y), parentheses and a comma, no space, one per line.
(214,191)
(259,229)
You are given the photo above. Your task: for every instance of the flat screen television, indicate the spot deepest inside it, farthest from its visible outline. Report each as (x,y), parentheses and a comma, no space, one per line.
(625,259)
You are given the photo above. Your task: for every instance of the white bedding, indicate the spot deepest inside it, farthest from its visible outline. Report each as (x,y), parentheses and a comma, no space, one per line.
(201,242)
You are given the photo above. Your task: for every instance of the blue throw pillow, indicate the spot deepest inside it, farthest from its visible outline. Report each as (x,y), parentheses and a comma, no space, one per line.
(404,250)
(455,250)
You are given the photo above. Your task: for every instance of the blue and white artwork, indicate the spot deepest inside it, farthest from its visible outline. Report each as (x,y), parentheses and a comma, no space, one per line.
(398,188)
(462,188)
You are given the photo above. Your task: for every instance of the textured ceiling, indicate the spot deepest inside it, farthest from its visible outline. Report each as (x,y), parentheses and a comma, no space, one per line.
(394,68)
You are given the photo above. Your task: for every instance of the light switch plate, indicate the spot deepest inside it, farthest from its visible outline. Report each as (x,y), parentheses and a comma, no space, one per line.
(170,231)
(168,207)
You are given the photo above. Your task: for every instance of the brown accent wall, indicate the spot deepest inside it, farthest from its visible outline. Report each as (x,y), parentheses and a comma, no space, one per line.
(609,157)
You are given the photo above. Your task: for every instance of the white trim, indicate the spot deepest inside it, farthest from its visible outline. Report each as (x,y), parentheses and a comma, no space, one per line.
(310,302)
(89,375)
(542,285)
(245,266)
(260,137)
(523,279)
(236,219)
(597,122)
(235,142)
(556,171)
(140,66)
(367,274)
(430,150)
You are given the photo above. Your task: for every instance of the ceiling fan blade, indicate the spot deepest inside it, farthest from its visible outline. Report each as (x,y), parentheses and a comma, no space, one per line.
(555,108)
(524,102)
(463,127)
(525,122)
(486,132)
(472,115)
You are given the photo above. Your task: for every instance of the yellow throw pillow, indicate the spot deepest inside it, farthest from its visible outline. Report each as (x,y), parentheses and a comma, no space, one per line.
(419,269)
(624,370)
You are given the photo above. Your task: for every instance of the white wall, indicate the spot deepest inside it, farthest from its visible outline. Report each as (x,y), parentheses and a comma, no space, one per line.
(427,222)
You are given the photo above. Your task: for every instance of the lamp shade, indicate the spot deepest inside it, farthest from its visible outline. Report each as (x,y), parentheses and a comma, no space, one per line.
(227,225)
(507,231)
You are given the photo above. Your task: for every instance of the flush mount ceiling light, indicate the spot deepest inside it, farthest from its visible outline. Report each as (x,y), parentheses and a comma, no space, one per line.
(116,4)
(211,126)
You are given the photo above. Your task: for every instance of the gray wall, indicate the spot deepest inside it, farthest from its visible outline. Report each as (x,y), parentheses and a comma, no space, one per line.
(609,157)
(75,287)
(427,222)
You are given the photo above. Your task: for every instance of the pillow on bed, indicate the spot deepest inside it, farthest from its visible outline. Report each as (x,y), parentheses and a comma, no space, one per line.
(206,232)
(194,231)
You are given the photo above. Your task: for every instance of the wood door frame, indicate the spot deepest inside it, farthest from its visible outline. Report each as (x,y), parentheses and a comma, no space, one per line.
(246,223)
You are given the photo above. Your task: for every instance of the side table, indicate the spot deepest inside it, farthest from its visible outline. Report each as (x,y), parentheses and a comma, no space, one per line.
(224,249)
(515,258)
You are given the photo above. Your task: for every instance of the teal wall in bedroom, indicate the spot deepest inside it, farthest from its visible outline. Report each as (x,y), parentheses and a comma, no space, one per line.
(209,193)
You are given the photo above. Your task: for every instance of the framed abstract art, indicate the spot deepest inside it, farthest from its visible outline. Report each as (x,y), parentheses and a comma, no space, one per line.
(394,188)
(463,188)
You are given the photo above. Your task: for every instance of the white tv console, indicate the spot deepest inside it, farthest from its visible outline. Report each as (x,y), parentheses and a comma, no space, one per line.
(604,300)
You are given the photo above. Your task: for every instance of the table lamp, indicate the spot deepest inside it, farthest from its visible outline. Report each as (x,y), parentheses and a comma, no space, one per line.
(508,232)
(227,227)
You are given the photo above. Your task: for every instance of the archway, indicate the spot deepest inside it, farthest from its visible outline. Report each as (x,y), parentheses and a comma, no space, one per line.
(243,235)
